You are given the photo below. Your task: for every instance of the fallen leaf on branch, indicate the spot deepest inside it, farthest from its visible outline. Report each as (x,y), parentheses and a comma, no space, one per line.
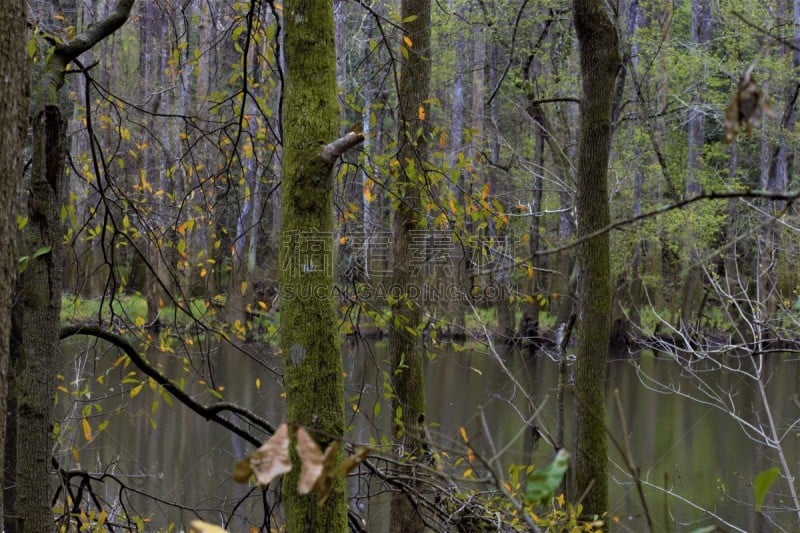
(267,462)
(319,469)
(312,459)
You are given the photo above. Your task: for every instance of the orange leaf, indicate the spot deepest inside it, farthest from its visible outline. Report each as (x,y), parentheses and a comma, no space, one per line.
(421,113)
(369,184)
(407,40)
(87,429)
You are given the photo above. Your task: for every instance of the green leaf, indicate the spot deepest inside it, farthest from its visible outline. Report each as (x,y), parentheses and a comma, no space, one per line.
(32,46)
(541,484)
(41,251)
(761,484)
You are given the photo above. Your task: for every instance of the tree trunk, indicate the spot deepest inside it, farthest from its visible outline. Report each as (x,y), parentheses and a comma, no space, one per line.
(692,286)
(14,106)
(36,314)
(309,339)
(600,61)
(405,353)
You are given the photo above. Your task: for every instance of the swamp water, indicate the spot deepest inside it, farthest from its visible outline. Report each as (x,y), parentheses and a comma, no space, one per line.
(698,451)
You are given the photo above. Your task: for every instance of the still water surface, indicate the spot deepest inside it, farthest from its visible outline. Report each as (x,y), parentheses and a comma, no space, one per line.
(695,449)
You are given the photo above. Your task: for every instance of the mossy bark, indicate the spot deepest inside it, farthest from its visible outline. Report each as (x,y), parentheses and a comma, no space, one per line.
(313,363)
(405,346)
(600,61)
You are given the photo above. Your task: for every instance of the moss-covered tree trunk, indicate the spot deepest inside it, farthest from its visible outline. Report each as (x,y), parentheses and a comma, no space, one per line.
(313,363)
(14,113)
(600,61)
(38,299)
(405,349)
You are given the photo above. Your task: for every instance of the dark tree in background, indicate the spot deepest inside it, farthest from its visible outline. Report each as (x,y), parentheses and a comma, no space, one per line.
(14,113)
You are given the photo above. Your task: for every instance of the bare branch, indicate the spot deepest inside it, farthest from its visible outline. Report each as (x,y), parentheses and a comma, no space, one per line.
(332,151)
(209,413)
(788,197)
(96,32)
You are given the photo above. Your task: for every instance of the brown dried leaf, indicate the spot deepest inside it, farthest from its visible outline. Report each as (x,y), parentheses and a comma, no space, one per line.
(268,462)
(320,470)
(747,108)
(312,460)
(353,461)
(242,470)
(204,527)
(324,484)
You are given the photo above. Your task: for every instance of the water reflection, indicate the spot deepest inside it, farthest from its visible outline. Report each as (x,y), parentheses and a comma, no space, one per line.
(696,450)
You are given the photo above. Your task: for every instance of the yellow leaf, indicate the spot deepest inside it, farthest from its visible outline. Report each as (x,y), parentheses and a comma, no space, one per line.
(258,384)
(204,527)
(87,429)
(421,113)
(268,462)
(485,191)
(137,389)
(407,40)
(463,434)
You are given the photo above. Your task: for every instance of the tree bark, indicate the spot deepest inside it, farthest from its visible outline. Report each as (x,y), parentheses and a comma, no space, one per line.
(309,339)
(14,106)
(405,350)
(600,61)
(36,315)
